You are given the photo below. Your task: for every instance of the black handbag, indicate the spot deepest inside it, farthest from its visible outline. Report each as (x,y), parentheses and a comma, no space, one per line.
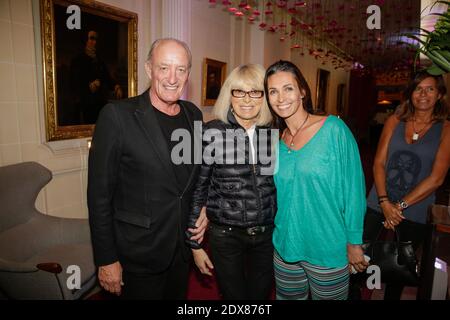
(396,259)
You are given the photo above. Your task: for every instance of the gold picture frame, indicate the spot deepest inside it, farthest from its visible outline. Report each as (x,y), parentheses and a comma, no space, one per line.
(214,74)
(323,80)
(340,99)
(85,66)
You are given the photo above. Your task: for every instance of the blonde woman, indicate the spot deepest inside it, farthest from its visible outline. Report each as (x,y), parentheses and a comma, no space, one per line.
(240,198)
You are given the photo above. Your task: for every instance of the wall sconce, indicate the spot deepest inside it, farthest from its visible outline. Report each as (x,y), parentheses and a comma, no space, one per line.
(384,102)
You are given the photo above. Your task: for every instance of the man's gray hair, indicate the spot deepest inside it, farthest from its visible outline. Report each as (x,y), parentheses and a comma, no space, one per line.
(156,43)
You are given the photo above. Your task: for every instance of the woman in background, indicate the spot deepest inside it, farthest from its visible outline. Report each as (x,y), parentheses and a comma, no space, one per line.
(411,162)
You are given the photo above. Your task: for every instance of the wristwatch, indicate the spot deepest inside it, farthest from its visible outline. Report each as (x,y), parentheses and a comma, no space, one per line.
(403,204)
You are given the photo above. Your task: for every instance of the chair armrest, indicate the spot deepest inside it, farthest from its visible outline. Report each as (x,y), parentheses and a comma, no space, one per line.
(13,266)
(51,267)
(20,267)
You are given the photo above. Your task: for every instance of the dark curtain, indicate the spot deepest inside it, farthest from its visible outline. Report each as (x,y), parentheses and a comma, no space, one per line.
(362,104)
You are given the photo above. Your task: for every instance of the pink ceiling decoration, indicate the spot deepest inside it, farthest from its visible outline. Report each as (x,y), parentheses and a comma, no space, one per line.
(335,31)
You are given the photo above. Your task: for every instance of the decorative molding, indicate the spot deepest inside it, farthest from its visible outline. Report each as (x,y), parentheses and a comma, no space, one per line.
(177,19)
(176,23)
(63,172)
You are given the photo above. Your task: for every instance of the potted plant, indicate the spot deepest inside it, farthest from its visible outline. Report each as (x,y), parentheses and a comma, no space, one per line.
(436,44)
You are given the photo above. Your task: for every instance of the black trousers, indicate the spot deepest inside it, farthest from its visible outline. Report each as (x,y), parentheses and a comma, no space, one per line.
(243,263)
(408,231)
(170,284)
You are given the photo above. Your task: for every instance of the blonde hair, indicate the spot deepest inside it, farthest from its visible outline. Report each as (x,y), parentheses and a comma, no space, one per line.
(251,75)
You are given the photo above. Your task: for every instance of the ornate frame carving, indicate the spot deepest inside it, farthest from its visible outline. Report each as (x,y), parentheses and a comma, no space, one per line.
(212,68)
(54,131)
(322,86)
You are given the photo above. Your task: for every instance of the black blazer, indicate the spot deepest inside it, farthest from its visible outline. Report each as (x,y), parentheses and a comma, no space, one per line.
(137,211)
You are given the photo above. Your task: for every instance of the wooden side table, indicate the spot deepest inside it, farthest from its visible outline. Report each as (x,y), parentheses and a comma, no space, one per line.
(438,226)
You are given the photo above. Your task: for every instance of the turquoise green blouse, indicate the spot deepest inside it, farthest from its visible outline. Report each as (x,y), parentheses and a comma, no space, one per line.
(321,198)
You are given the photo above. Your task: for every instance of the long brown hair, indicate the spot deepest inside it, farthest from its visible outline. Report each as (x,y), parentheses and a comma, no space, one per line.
(287,66)
(406,110)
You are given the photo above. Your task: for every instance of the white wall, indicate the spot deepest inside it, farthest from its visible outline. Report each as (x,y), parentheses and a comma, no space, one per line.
(22,125)
(309,66)
(218,35)
(211,38)
(214,34)
(274,49)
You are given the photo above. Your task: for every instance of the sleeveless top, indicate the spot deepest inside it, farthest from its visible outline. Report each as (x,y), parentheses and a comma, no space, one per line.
(406,166)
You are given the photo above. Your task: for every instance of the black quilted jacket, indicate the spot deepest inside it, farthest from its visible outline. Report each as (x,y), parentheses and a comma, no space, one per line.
(241,195)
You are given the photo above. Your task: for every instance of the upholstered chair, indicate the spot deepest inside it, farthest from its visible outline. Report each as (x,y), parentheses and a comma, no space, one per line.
(41,256)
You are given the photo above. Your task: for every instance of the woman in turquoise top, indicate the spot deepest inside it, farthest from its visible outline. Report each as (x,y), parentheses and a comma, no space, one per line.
(320,191)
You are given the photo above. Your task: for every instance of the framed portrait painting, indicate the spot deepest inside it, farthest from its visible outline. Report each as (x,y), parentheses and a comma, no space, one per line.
(323,77)
(340,99)
(214,74)
(85,65)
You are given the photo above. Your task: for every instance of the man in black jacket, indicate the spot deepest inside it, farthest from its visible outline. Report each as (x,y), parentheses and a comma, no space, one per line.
(138,198)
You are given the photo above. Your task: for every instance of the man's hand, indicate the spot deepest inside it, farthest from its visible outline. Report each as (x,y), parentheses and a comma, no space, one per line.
(202,261)
(110,277)
(200,224)
(356,257)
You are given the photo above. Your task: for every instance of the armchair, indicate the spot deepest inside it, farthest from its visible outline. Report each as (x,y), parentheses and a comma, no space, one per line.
(36,249)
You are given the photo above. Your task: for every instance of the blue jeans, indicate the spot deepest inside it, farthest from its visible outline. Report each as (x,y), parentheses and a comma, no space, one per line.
(243,261)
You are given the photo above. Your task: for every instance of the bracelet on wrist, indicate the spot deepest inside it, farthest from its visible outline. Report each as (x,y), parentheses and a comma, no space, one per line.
(403,204)
(383,197)
(382,200)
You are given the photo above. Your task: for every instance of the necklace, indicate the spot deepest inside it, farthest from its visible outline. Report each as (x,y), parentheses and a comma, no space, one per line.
(291,144)
(416,133)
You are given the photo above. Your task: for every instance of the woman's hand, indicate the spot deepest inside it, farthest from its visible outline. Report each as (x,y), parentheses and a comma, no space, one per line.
(356,258)
(202,261)
(199,232)
(392,213)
